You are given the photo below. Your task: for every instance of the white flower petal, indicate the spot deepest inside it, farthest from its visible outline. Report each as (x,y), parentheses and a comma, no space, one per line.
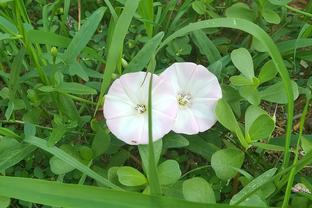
(203,111)
(185,122)
(204,84)
(179,75)
(199,90)
(128,128)
(130,90)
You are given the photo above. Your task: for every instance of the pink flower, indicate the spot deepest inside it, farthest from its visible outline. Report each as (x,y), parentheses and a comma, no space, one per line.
(125,108)
(197,91)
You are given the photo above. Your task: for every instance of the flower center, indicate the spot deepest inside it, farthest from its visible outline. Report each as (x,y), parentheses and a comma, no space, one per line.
(140,108)
(184,99)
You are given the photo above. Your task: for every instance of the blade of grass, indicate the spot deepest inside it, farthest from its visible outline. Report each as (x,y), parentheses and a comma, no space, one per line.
(144,55)
(116,46)
(206,46)
(293,170)
(50,38)
(265,39)
(81,196)
(83,36)
(111,9)
(146,11)
(43,144)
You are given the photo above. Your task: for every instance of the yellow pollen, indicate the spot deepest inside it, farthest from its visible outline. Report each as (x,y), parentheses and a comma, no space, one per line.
(184,99)
(140,108)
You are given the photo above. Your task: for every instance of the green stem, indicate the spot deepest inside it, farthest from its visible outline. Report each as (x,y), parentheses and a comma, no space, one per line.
(298,11)
(79,99)
(293,170)
(152,169)
(195,169)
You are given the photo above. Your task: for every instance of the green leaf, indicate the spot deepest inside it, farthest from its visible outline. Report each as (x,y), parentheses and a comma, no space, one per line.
(52,39)
(206,46)
(271,16)
(169,172)
(143,149)
(257,45)
(56,134)
(240,80)
(144,55)
(100,142)
(7,26)
(267,72)
(271,147)
(276,93)
(253,200)
(251,94)
(75,88)
(201,147)
(199,7)
(12,156)
(252,113)
(253,186)
(58,194)
(4,1)
(116,45)
(225,162)
(258,124)
(198,190)
(261,128)
(75,68)
(306,144)
(240,10)
(129,176)
(58,167)
(67,158)
(4,201)
(146,10)
(4,36)
(227,118)
(280,2)
(173,140)
(242,60)
(8,133)
(82,37)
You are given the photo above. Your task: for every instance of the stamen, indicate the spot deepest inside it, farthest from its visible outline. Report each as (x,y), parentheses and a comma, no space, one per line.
(140,108)
(184,99)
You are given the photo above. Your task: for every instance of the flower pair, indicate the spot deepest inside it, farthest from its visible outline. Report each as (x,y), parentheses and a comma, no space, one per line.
(183,100)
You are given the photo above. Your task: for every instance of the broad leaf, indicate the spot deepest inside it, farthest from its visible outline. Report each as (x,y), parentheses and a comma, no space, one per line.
(129,176)
(225,162)
(198,190)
